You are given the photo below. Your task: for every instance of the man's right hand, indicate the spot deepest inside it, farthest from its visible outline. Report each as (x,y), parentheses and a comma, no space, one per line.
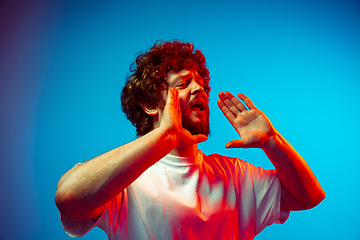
(84,190)
(171,119)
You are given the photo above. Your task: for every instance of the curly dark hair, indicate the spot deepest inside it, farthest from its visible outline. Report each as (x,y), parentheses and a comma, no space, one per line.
(148,78)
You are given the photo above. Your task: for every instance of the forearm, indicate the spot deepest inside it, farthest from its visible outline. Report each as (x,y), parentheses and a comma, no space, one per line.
(294,173)
(90,185)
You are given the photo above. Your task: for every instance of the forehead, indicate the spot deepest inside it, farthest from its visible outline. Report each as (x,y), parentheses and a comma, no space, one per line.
(173,76)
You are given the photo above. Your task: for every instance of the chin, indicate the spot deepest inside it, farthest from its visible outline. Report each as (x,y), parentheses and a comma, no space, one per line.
(200,126)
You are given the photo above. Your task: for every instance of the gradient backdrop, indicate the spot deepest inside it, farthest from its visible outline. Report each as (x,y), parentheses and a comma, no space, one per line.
(63,64)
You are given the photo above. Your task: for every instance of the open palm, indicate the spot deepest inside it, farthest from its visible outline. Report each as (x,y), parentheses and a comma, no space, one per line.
(251,124)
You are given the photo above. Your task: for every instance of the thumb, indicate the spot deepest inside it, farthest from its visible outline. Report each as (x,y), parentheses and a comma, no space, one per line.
(234,144)
(199,138)
(188,139)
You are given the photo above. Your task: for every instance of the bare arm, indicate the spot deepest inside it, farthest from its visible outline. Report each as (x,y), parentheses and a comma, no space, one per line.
(83,190)
(301,190)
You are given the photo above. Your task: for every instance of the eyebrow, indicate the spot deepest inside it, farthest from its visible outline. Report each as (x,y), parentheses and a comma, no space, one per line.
(188,75)
(183,77)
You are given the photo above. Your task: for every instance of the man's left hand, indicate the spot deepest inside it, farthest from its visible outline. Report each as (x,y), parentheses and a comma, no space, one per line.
(252,125)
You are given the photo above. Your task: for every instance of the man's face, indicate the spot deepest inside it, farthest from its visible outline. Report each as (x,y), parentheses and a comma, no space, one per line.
(194,101)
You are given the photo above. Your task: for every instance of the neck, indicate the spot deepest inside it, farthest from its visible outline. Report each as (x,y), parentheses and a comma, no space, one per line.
(188,151)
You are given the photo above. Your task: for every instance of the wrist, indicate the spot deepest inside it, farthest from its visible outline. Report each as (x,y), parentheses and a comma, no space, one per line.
(169,137)
(272,142)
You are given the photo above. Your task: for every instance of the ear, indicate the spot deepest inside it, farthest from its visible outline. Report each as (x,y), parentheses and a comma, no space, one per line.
(149,109)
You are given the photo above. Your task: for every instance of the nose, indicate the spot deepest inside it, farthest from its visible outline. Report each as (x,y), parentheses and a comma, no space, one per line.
(196,88)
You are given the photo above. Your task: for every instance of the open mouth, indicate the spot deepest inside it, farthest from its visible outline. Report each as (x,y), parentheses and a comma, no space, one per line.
(197,106)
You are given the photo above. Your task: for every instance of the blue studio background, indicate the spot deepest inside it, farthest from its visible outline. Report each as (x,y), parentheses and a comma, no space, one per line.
(63,64)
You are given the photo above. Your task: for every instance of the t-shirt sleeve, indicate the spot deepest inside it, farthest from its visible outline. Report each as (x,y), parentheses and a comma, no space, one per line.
(267,188)
(77,229)
(263,195)
(268,198)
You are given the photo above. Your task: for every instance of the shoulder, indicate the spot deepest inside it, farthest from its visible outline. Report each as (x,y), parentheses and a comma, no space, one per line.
(241,167)
(226,160)
(229,164)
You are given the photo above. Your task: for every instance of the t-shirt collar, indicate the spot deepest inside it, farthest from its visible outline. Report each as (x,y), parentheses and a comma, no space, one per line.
(183,161)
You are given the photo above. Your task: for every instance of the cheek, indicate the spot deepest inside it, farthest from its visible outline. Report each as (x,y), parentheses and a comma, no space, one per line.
(184,100)
(184,107)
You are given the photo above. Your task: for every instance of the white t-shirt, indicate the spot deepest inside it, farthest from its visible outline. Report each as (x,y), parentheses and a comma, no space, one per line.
(206,197)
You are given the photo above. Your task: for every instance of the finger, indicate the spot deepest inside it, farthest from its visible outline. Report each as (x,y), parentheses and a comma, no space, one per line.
(169,100)
(174,97)
(247,101)
(178,106)
(239,105)
(172,94)
(227,100)
(234,144)
(225,110)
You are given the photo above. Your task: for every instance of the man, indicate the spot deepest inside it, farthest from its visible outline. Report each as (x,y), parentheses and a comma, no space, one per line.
(161,186)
